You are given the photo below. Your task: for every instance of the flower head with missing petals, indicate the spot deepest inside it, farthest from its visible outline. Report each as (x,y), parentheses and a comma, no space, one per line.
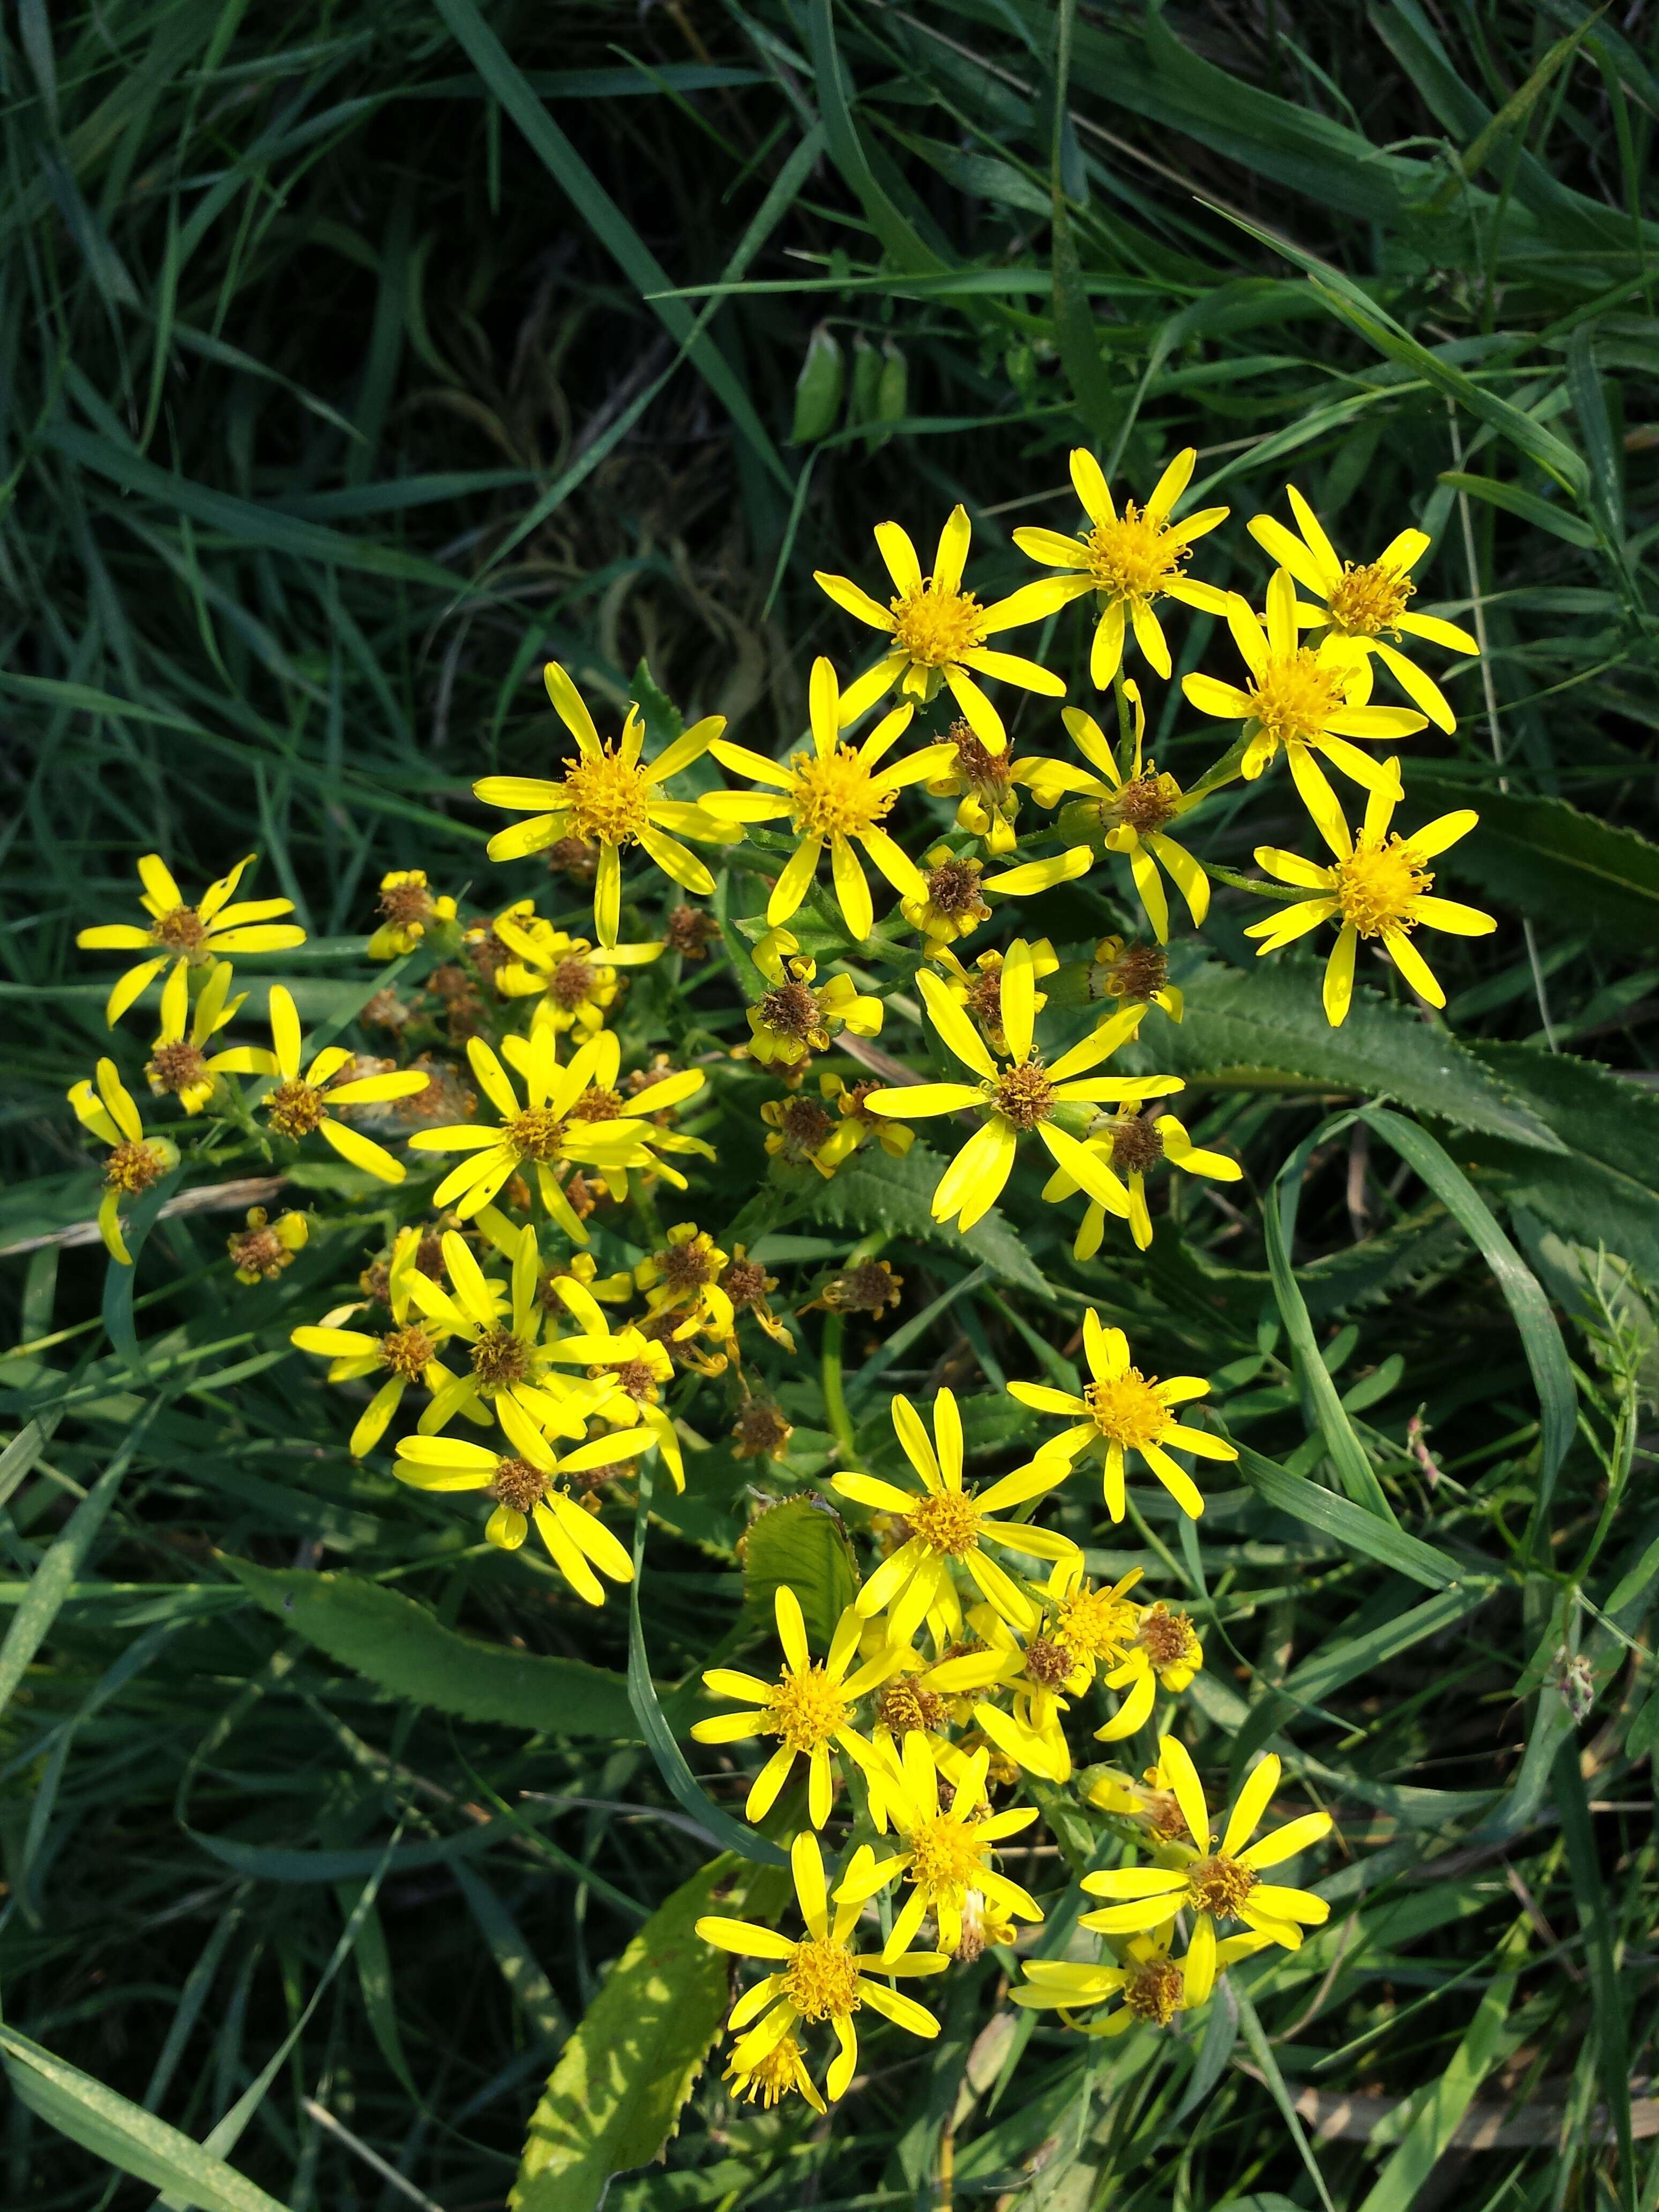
(136,1161)
(810,1708)
(1215,1880)
(946,1524)
(1024,1095)
(837,796)
(1133,1146)
(1130,810)
(575,988)
(1377,888)
(938,630)
(406,1352)
(1302,703)
(1129,560)
(1123,1410)
(1366,605)
(408,910)
(817,1976)
(179,1064)
(609,797)
(302,1098)
(190,935)
(1150,1987)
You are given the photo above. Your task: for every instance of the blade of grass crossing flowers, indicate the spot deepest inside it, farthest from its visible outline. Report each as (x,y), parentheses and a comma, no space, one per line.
(1385,1541)
(721,1829)
(1262,2052)
(1540,1337)
(1606,1983)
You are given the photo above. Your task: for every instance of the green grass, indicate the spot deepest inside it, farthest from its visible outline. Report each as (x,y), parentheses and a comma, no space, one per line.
(357,359)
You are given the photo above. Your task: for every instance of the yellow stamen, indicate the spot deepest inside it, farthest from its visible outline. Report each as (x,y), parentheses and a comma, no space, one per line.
(294,1109)
(1128,1410)
(1368,600)
(946,1522)
(1132,558)
(835,795)
(1296,694)
(947,1854)
(935,627)
(821,1981)
(807,1710)
(609,798)
(1220,1885)
(1378,884)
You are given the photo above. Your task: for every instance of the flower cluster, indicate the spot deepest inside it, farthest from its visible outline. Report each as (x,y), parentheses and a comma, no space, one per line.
(537,1329)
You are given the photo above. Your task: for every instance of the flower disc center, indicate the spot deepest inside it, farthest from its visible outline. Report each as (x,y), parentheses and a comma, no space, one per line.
(1128,1410)
(820,1980)
(609,798)
(1220,1885)
(535,1134)
(835,795)
(1132,557)
(807,1710)
(296,1109)
(1024,1095)
(1296,694)
(1364,601)
(946,1522)
(1377,886)
(935,626)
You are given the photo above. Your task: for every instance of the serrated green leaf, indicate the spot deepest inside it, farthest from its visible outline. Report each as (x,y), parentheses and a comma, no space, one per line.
(872,1193)
(1546,857)
(800,1543)
(409,1653)
(1254,1022)
(621,2080)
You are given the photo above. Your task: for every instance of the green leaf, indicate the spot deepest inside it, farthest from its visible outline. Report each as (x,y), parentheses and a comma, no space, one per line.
(1251,1024)
(1545,857)
(1350,1524)
(123,2135)
(1540,1339)
(872,1193)
(621,2080)
(1608,1983)
(800,1543)
(1540,512)
(409,1653)
(1348,1456)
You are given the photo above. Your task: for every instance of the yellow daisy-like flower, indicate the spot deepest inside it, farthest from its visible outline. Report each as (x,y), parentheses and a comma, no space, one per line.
(944,1852)
(1121,1411)
(573,990)
(684,1277)
(774,2074)
(794,1018)
(408,910)
(1214,1880)
(533,1484)
(810,1708)
(947,1523)
(301,1104)
(136,1161)
(858,1125)
(511,1363)
(1162,1652)
(544,1131)
(819,1976)
(939,630)
(1366,605)
(1377,889)
(1132,1145)
(409,1350)
(179,1063)
(636,1387)
(954,904)
(1300,700)
(1150,1986)
(836,795)
(609,796)
(261,1251)
(192,934)
(1132,814)
(979,988)
(1015,1100)
(1135,975)
(1129,560)
(985,786)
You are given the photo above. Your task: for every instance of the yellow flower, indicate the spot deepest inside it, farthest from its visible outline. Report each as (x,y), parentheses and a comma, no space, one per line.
(301,1104)
(836,796)
(409,1350)
(544,1131)
(858,1125)
(1377,888)
(408,910)
(1132,813)
(979,988)
(1129,560)
(609,796)
(178,1063)
(685,1278)
(810,1708)
(804,1135)
(793,1018)
(572,990)
(1367,603)
(983,783)
(772,2074)
(1214,1882)
(192,934)
(948,1524)
(944,1851)
(820,1976)
(1135,975)
(533,1485)
(1150,1986)
(939,630)
(1300,700)
(509,1359)
(1162,1651)
(1132,1144)
(1015,1100)
(953,904)
(747,1285)
(1121,1411)
(636,1396)
(134,1161)
(265,1247)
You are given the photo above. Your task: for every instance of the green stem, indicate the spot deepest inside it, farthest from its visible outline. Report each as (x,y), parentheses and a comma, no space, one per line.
(1214,869)
(1125,741)
(829,1362)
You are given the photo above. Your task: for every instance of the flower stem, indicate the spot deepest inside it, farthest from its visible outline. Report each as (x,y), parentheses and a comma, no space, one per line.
(829,1364)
